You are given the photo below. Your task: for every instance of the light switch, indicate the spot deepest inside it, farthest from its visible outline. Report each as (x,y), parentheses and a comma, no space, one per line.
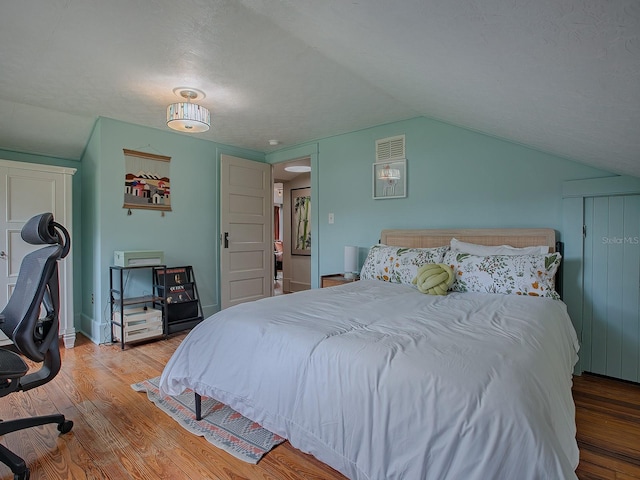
(331,218)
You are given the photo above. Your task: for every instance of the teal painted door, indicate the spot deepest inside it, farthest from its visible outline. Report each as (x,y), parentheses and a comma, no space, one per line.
(611,309)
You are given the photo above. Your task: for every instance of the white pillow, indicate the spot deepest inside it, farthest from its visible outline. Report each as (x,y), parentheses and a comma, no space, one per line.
(475,249)
(398,264)
(532,275)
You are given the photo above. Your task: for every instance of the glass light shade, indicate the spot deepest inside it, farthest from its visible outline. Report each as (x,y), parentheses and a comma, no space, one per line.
(388,173)
(188,117)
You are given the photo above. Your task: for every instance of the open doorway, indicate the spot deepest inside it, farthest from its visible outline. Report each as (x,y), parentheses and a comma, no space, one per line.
(278,235)
(292,248)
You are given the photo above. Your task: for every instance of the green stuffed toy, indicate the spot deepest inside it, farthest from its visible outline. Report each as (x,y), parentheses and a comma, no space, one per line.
(434,278)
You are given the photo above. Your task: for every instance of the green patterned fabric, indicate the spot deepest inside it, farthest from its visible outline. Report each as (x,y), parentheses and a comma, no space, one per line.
(532,275)
(398,264)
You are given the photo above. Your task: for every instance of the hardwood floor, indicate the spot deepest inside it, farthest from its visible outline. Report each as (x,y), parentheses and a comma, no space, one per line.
(119,434)
(608,420)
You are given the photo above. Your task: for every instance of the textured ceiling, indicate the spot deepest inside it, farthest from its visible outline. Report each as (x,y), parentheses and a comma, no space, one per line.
(562,77)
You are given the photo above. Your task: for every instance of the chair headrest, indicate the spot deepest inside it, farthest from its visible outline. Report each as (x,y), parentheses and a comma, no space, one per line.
(40,230)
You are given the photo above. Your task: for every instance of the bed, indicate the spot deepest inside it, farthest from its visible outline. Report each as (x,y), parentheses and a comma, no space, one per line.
(381,381)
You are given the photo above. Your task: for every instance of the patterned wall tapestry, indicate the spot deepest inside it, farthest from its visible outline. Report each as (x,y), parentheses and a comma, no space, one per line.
(146,181)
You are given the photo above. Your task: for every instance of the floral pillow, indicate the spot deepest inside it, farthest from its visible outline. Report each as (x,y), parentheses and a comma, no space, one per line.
(398,264)
(532,275)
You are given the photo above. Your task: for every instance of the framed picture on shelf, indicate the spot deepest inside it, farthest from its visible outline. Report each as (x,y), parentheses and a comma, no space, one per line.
(301,221)
(390,179)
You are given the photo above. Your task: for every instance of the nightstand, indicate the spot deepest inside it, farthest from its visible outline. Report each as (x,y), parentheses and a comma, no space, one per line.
(335,279)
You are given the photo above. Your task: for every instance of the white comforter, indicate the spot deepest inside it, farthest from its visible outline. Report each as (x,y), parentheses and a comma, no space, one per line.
(383,382)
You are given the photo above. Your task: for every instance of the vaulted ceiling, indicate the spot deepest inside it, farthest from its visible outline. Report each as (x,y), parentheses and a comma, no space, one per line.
(559,76)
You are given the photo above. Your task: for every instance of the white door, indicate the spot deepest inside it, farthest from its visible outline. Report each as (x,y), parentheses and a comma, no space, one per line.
(27,190)
(246,251)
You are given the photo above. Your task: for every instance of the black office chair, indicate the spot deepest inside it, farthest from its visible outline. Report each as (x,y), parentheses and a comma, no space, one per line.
(33,336)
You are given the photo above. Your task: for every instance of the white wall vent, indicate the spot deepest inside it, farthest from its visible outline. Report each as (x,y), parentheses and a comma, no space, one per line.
(390,148)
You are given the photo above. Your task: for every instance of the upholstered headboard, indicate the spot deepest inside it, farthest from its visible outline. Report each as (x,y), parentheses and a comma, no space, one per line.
(516,237)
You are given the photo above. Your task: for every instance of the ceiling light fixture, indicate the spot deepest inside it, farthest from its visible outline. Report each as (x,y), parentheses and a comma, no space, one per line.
(186,116)
(298,168)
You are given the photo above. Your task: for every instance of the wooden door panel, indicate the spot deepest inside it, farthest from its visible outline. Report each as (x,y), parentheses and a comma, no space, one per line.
(611,307)
(246,290)
(245,222)
(29,195)
(246,260)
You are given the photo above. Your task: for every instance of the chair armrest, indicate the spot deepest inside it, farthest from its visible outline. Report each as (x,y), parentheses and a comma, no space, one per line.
(11,366)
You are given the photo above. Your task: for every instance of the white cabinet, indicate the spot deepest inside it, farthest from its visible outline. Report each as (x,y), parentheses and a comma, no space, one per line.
(27,189)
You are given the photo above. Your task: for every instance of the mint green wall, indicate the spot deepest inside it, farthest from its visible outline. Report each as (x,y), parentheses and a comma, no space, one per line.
(456,178)
(76,186)
(188,235)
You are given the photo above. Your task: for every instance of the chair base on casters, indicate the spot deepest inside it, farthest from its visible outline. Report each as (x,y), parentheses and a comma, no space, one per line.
(13,461)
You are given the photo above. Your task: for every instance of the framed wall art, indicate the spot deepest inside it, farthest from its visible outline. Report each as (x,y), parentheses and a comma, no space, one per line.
(301,221)
(390,179)
(146,181)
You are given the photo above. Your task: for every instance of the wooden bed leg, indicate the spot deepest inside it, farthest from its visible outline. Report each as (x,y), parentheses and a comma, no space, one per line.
(198,406)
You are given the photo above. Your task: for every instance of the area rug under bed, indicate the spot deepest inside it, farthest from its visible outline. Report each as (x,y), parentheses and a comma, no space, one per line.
(220,425)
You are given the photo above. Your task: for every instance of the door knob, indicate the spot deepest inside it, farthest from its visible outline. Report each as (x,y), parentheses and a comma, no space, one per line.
(2,254)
